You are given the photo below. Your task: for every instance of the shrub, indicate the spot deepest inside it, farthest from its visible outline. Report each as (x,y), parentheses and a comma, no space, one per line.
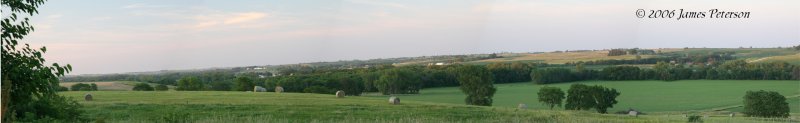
(143,87)
(81,87)
(161,87)
(695,119)
(765,104)
(62,88)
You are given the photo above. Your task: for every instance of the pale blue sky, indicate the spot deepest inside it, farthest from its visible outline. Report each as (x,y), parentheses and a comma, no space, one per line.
(104,36)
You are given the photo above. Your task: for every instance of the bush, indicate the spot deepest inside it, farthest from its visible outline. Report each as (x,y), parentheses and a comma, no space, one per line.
(81,87)
(695,119)
(62,88)
(161,87)
(765,104)
(143,87)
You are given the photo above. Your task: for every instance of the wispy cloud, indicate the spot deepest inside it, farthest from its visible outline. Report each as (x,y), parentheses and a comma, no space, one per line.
(141,5)
(227,19)
(244,17)
(378,3)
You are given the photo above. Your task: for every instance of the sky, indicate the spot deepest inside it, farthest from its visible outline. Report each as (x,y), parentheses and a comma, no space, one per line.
(105,36)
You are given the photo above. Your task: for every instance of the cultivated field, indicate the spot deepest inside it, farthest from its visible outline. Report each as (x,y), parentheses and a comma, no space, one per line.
(675,97)
(216,106)
(561,58)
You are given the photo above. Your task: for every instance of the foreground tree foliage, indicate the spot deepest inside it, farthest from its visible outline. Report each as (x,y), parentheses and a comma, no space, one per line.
(765,104)
(477,82)
(551,96)
(26,79)
(583,97)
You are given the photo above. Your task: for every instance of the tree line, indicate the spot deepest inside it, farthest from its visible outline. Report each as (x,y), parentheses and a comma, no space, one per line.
(731,70)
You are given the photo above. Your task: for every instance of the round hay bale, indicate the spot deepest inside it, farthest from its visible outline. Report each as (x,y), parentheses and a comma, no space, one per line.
(278,89)
(259,89)
(340,94)
(394,100)
(88,97)
(522,106)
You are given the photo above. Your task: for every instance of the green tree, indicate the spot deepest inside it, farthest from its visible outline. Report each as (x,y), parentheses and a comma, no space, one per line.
(190,84)
(477,82)
(25,78)
(605,98)
(579,97)
(143,87)
(161,87)
(244,84)
(551,96)
(583,97)
(765,104)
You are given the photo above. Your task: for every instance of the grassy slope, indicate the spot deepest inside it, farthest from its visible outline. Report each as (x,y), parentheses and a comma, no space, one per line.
(647,96)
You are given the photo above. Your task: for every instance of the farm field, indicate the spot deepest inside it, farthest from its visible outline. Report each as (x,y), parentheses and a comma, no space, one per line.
(561,58)
(750,54)
(646,96)
(219,106)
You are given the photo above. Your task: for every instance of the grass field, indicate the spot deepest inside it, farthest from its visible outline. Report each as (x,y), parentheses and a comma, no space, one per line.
(646,96)
(217,106)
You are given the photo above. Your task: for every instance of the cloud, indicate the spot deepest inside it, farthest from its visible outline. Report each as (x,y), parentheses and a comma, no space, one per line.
(228,20)
(244,17)
(141,5)
(378,3)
